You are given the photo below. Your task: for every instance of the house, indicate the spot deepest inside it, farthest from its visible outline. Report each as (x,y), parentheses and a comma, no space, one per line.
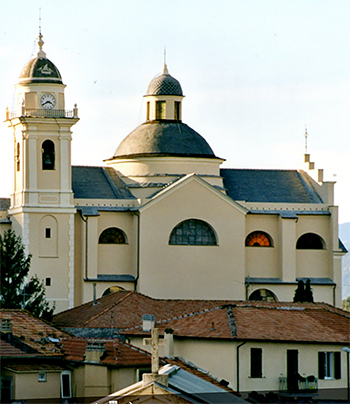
(254,345)
(172,385)
(40,363)
(161,216)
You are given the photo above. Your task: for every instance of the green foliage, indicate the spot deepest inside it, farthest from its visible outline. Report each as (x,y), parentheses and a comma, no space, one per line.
(16,290)
(346,304)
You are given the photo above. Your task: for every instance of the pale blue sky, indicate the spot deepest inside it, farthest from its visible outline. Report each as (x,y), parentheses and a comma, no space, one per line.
(254,73)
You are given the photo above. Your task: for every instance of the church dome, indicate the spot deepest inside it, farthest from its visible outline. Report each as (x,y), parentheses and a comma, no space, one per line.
(164,84)
(163,138)
(40,69)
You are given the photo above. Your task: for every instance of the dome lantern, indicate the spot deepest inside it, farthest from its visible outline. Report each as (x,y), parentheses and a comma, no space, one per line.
(164,97)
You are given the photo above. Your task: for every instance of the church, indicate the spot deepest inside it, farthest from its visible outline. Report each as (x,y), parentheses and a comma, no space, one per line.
(160,216)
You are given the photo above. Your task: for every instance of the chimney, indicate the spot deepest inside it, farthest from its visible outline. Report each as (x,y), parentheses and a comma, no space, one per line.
(147,322)
(94,352)
(169,342)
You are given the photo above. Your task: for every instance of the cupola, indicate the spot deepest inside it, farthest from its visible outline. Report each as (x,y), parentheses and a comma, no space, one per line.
(40,87)
(163,98)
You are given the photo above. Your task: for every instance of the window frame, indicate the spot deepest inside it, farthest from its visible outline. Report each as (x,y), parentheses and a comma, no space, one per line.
(258,234)
(256,363)
(160,110)
(191,232)
(313,238)
(329,365)
(119,232)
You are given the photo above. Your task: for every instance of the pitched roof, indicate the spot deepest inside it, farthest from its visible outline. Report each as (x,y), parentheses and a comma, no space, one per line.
(215,319)
(33,338)
(282,186)
(127,308)
(29,336)
(116,351)
(98,183)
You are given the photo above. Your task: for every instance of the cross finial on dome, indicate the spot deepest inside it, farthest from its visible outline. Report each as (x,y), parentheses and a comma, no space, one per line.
(165,67)
(41,53)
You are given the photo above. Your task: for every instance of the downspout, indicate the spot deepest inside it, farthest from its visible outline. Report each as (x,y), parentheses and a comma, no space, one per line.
(137,213)
(237,364)
(334,294)
(86,243)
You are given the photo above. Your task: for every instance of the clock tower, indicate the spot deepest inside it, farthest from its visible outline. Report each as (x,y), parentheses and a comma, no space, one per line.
(42,209)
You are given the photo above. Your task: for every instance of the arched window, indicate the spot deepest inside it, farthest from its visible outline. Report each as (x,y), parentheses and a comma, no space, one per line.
(310,241)
(48,155)
(18,157)
(263,294)
(258,239)
(112,289)
(112,235)
(192,232)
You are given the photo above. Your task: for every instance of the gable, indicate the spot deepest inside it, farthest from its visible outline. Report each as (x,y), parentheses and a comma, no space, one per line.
(190,190)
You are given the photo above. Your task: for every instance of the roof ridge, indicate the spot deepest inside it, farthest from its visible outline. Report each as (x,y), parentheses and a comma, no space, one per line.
(107,308)
(307,184)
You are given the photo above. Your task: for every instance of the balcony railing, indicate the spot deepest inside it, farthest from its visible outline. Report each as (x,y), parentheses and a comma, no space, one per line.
(43,113)
(307,384)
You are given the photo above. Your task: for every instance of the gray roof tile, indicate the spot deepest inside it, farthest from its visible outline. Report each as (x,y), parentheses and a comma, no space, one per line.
(98,183)
(269,186)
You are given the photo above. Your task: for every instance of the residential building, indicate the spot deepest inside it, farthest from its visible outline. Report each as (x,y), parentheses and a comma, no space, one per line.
(254,345)
(42,364)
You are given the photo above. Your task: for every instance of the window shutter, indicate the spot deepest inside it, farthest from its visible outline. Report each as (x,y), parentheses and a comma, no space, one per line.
(337,365)
(256,362)
(321,359)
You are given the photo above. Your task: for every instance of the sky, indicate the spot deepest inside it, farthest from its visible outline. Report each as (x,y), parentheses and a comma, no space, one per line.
(255,73)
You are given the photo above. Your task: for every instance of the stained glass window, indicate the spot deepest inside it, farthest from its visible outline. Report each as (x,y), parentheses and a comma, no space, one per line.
(192,232)
(258,239)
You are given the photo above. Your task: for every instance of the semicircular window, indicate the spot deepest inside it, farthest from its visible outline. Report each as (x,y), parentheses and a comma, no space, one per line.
(112,235)
(258,239)
(310,241)
(263,295)
(193,232)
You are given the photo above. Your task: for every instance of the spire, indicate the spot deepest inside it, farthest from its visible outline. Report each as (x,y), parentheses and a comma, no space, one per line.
(165,67)
(41,53)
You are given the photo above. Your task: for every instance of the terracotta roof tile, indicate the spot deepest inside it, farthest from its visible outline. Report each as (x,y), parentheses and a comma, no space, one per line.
(279,321)
(30,335)
(116,351)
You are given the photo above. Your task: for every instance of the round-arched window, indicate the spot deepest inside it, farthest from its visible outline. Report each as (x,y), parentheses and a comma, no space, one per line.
(193,232)
(48,155)
(112,235)
(112,289)
(310,241)
(263,294)
(258,239)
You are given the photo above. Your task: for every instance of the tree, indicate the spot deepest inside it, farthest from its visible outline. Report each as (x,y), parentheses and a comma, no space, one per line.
(16,290)
(346,304)
(303,293)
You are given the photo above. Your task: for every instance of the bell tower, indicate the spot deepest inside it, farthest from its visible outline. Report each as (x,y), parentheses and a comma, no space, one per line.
(42,209)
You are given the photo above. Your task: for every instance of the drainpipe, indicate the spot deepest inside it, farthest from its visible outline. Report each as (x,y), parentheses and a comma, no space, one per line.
(334,294)
(137,213)
(86,243)
(237,364)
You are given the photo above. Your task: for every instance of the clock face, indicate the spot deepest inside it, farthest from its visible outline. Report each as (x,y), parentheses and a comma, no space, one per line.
(48,101)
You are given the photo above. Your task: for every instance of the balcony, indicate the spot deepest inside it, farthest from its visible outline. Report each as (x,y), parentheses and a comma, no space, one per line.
(302,385)
(43,113)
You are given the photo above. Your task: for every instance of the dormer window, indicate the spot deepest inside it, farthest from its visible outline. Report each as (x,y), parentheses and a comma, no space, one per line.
(160,110)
